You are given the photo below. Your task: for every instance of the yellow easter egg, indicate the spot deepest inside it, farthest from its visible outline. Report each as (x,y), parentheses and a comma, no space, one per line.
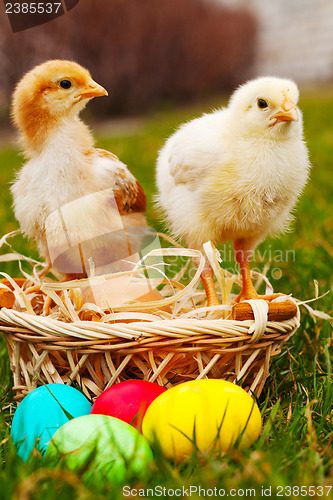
(208,414)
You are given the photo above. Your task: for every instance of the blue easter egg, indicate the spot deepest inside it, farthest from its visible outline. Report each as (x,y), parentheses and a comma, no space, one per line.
(42,412)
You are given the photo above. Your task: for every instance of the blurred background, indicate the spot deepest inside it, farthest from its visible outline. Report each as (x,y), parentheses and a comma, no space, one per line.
(151,52)
(144,52)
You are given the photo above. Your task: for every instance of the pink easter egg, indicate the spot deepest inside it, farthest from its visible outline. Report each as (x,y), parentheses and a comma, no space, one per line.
(128,400)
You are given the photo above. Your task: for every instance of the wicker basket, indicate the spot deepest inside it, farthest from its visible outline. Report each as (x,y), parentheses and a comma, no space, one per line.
(96,355)
(162,348)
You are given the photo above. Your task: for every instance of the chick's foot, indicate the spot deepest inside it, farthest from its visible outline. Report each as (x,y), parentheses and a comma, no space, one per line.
(253,295)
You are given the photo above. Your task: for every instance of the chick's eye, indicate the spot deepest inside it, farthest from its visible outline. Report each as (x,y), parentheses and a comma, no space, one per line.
(65,84)
(262,104)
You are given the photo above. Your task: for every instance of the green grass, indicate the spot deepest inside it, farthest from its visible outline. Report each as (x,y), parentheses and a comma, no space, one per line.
(295,448)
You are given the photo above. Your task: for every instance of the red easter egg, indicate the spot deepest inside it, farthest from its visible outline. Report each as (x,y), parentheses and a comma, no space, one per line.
(128,400)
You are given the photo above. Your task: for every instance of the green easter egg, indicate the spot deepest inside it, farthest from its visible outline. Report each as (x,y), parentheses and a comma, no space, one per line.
(102,448)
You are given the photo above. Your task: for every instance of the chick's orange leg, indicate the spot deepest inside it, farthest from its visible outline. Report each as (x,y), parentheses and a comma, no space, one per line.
(47,305)
(47,300)
(243,257)
(207,278)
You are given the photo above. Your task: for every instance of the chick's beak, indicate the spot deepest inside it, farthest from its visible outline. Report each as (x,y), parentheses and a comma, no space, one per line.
(92,89)
(287,113)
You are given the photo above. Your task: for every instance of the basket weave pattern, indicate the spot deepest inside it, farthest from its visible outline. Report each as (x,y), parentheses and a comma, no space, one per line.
(96,355)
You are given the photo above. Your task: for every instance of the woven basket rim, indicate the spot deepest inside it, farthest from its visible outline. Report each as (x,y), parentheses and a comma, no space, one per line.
(35,349)
(185,326)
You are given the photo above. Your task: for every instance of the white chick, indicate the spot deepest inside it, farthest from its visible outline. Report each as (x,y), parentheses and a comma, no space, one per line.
(236,174)
(77,202)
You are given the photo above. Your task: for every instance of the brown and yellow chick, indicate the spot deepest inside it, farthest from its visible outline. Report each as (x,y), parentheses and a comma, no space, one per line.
(80,204)
(236,174)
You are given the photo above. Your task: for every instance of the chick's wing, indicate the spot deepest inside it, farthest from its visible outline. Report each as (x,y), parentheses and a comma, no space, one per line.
(128,192)
(194,149)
